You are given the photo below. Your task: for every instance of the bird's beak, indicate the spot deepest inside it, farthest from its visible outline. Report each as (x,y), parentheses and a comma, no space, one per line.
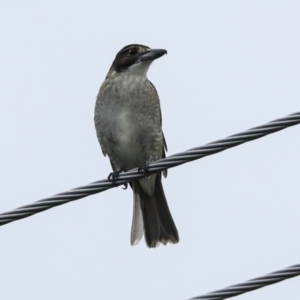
(152,54)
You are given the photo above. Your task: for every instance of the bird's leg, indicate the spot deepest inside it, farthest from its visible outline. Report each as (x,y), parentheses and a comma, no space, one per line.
(125,186)
(144,169)
(113,176)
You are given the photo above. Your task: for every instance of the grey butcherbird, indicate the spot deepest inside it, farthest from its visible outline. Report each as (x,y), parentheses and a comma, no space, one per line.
(129,130)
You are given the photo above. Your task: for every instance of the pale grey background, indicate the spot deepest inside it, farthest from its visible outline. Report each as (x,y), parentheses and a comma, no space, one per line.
(231,65)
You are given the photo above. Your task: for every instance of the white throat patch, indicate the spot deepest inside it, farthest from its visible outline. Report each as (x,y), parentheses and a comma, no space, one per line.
(139,69)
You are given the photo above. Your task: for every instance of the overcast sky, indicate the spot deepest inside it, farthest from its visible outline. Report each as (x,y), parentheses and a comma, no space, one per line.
(231,65)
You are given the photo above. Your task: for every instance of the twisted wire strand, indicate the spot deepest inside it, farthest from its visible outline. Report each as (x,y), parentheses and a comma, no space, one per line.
(252,284)
(154,167)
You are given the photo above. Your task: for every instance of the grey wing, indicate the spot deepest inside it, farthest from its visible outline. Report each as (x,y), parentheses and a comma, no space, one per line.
(97,120)
(165,147)
(105,137)
(98,130)
(102,148)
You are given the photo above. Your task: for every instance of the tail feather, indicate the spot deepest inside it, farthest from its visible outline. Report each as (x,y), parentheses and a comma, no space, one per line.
(157,220)
(137,229)
(168,227)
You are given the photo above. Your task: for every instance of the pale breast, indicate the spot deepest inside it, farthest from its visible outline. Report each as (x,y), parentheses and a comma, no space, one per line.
(127,118)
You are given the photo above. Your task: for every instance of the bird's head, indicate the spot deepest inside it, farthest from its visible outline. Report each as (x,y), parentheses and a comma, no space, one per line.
(135,60)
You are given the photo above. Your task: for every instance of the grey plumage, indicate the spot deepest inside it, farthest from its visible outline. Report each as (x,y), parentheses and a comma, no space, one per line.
(129,129)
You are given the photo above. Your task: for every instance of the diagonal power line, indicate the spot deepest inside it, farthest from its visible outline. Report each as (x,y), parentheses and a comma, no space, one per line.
(252,284)
(154,167)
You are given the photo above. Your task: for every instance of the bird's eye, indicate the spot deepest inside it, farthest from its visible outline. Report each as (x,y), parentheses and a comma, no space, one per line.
(132,51)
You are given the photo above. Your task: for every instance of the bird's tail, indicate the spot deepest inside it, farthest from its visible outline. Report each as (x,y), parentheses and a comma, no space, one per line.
(152,216)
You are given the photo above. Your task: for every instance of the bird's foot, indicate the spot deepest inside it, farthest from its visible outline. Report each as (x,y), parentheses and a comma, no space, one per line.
(113,177)
(125,186)
(144,169)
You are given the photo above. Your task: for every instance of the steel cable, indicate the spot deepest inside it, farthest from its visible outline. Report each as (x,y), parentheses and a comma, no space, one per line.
(154,167)
(252,284)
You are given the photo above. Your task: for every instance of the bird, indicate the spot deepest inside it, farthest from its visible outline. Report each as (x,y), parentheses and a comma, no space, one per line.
(128,124)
